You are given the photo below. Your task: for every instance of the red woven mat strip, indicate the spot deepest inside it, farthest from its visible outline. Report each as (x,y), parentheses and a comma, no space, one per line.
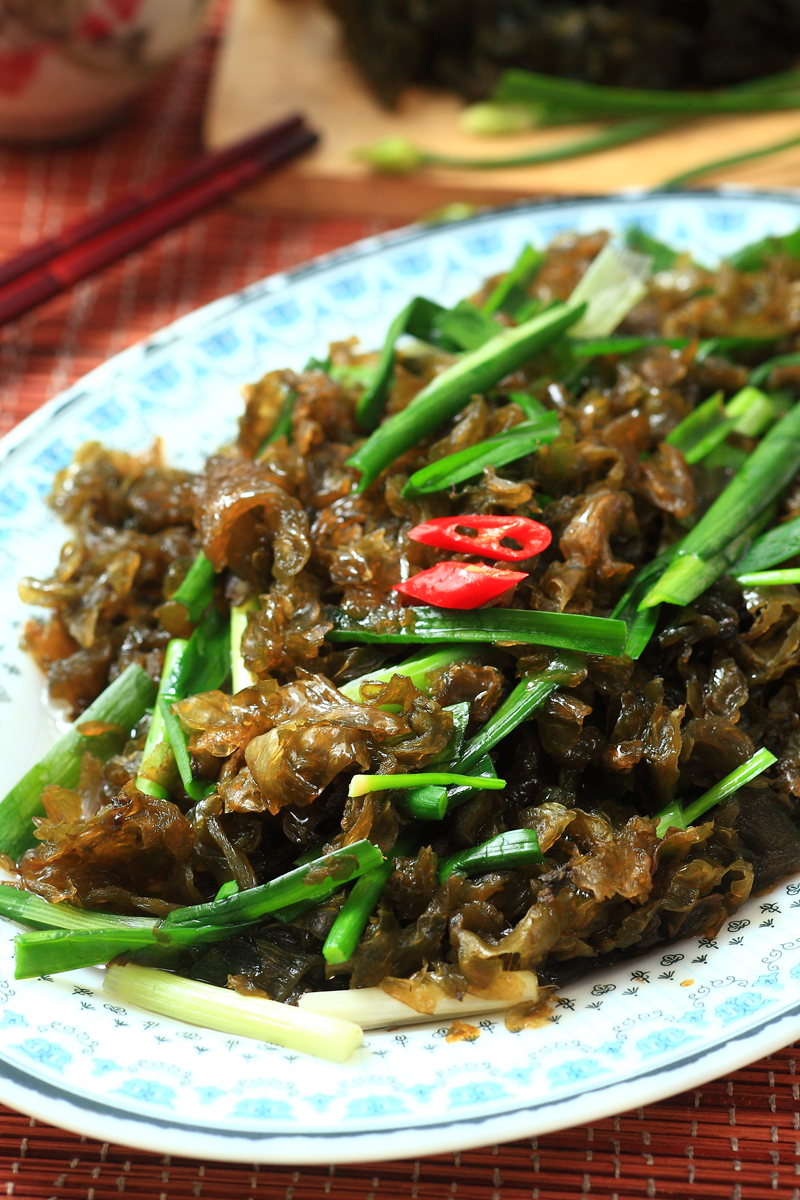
(42,190)
(737,1138)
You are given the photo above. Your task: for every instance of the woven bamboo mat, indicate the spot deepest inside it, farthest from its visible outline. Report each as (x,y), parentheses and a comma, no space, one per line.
(737,1139)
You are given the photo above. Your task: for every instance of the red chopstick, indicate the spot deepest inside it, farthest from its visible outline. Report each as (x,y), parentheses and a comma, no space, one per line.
(53,266)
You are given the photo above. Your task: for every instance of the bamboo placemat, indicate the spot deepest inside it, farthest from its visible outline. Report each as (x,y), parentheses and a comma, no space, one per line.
(737,1138)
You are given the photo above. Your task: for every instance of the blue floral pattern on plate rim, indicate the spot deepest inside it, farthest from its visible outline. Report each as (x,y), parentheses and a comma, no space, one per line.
(617,1039)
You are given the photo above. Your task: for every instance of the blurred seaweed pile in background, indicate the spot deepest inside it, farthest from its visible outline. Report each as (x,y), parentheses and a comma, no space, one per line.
(465,45)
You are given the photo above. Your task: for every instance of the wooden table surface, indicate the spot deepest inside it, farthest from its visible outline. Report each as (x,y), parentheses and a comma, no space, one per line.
(279,55)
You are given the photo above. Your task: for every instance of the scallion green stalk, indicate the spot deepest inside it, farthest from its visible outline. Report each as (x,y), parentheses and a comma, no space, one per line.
(532,408)
(568,631)
(621,344)
(50,951)
(465,327)
(362,785)
(158,759)
(761,373)
(365,893)
(484,769)
(448,392)
(419,668)
(692,434)
(515,443)
(642,623)
(417,318)
(598,100)
(752,412)
(242,1016)
(689,575)
(31,909)
(676,817)
(512,290)
(771,548)
(631,344)
(735,160)
(339,867)
(179,743)
(241,677)
(206,661)
(122,704)
(197,589)
(283,422)
(530,694)
(204,666)
(90,942)
(663,257)
(705,552)
(769,578)
(429,801)
(516,848)
(399,155)
(749,413)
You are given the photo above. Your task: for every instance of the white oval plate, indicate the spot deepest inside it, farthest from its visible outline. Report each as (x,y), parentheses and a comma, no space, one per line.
(646,1029)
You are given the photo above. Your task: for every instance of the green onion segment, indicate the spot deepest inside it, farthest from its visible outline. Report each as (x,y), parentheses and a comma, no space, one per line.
(568,631)
(516,848)
(447,393)
(351,921)
(676,817)
(507,447)
(242,1016)
(362,785)
(705,552)
(122,704)
(158,759)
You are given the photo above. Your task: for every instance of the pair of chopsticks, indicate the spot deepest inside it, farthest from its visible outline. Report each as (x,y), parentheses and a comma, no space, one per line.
(55,265)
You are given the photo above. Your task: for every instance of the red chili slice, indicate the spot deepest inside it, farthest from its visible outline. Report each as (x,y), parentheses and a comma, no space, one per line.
(458,585)
(485,534)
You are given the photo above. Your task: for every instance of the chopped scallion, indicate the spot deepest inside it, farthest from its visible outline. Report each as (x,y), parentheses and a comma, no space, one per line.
(362,785)
(242,1016)
(516,848)
(241,677)
(196,591)
(448,392)
(676,817)
(420,668)
(771,548)
(769,578)
(373,1008)
(417,318)
(515,443)
(706,551)
(512,290)
(365,893)
(568,631)
(158,759)
(122,704)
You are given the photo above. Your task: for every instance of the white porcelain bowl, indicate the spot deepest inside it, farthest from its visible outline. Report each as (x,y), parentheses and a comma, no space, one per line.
(68,67)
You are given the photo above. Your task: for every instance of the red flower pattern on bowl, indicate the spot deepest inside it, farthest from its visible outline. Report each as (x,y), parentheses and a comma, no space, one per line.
(17,69)
(64,76)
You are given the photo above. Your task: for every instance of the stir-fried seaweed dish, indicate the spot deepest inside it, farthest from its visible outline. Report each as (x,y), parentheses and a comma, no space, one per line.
(474,656)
